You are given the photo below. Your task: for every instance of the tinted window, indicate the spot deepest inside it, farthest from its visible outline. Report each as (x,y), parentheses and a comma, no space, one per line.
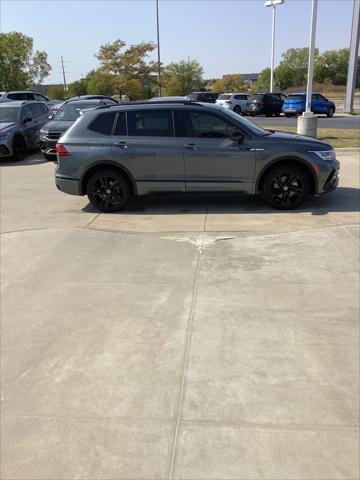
(120,128)
(71,111)
(196,123)
(36,110)
(150,123)
(257,98)
(240,97)
(209,96)
(103,123)
(225,97)
(26,112)
(40,98)
(44,108)
(193,97)
(21,96)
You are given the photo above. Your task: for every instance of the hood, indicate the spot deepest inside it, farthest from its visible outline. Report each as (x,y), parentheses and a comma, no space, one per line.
(6,127)
(56,126)
(300,139)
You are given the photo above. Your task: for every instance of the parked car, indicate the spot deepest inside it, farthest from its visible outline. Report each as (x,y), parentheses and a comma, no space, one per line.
(295,104)
(86,97)
(20,124)
(62,120)
(234,101)
(112,153)
(26,95)
(268,104)
(167,99)
(204,97)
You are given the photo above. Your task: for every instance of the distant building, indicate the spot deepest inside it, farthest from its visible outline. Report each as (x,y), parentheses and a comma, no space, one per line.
(250,77)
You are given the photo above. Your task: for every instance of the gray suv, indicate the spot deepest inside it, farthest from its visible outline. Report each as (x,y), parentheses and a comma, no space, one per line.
(112,153)
(20,124)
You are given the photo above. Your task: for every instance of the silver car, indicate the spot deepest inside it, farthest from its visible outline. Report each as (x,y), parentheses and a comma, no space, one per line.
(20,124)
(112,153)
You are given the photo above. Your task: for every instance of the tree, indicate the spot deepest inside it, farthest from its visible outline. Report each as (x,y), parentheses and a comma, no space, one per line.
(263,81)
(20,66)
(122,64)
(332,66)
(295,60)
(77,88)
(229,83)
(56,92)
(183,77)
(100,83)
(283,76)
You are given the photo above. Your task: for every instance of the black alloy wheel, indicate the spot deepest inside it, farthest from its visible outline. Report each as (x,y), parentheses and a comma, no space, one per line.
(237,109)
(108,191)
(331,112)
(19,149)
(285,187)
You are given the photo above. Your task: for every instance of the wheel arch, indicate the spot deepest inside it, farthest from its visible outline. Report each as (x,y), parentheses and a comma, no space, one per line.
(306,167)
(107,164)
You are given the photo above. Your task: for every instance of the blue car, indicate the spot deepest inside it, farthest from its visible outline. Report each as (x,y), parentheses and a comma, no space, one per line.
(295,104)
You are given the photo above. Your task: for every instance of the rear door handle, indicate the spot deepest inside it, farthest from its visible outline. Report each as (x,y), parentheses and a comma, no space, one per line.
(121,144)
(191,146)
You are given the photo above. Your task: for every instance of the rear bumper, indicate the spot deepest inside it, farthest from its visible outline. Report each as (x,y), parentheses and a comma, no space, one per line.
(67,185)
(48,147)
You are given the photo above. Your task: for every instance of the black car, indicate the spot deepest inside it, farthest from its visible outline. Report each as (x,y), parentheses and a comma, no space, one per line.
(268,104)
(204,97)
(62,120)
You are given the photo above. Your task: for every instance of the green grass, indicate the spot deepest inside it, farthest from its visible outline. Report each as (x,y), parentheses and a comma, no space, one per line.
(337,137)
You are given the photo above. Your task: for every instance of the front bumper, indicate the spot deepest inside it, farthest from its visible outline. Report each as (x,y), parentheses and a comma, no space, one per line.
(5,151)
(328,176)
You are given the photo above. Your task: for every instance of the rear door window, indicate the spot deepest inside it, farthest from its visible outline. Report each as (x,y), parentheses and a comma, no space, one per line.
(21,96)
(103,123)
(150,123)
(26,112)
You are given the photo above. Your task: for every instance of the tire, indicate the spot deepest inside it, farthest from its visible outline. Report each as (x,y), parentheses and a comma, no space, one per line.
(268,114)
(19,149)
(237,109)
(107,190)
(330,112)
(285,187)
(277,114)
(288,115)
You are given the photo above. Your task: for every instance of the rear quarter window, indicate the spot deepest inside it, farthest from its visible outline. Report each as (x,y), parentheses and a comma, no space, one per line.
(103,123)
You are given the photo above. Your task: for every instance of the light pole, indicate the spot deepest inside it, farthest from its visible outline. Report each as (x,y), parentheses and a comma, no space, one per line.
(158,45)
(354,48)
(272,4)
(307,123)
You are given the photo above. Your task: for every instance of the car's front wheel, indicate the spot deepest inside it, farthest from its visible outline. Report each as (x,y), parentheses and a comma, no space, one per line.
(331,112)
(108,190)
(19,149)
(285,187)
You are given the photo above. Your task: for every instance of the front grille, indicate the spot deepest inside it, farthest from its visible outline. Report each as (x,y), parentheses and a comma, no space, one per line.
(54,135)
(4,150)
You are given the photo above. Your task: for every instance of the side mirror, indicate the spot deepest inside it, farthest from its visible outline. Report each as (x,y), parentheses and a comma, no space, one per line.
(237,137)
(27,120)
(50,117)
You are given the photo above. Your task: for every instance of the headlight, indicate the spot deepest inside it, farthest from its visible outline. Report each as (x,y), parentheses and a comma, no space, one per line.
(327,155)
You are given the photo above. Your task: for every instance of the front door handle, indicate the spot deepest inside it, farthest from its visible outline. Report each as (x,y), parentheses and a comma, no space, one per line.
(121,144)
(191,146)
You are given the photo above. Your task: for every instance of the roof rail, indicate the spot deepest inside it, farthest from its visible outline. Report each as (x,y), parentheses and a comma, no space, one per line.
(147,102)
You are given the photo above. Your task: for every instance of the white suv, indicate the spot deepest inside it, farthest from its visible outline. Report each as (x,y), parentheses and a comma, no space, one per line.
(235,101)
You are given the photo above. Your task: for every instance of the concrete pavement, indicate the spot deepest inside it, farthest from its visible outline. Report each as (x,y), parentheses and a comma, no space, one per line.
(202,337)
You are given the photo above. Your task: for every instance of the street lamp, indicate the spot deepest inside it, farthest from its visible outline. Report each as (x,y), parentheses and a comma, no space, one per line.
(273,4)
(158,45)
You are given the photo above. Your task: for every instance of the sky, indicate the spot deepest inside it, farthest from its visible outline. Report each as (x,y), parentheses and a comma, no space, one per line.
(225,36)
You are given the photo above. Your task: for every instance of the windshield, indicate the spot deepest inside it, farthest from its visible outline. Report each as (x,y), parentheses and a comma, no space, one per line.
(224,97)
(9,114)
(243,121)
(71,111)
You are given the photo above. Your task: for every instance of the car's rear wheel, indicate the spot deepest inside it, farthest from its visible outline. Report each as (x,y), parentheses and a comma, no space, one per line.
(285,187)
(108,190)
(237,109)
(331,112)
(19,149)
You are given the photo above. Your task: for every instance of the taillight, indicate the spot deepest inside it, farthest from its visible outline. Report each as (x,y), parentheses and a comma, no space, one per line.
(61,150)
